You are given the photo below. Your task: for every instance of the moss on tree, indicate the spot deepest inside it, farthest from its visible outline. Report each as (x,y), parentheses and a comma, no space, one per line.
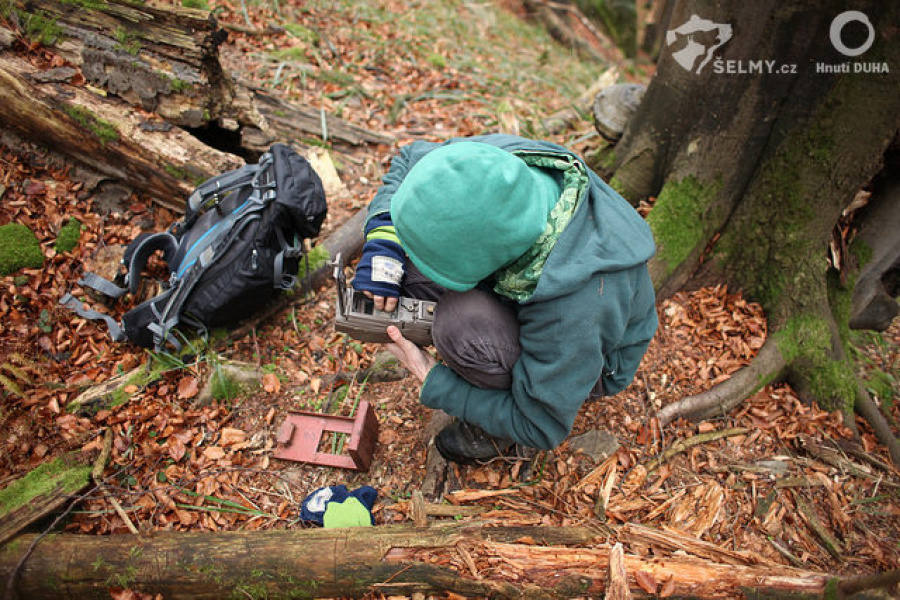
(19,249)
(677,219)
(806,342)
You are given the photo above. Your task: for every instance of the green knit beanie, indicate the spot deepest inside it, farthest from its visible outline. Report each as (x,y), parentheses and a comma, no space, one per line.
(466,209)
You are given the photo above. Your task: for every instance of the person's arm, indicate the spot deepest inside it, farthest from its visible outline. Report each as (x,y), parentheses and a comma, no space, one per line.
(623,362)
(379,271)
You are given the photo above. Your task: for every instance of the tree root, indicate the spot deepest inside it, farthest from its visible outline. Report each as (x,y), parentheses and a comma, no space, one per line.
(719,400)
(768,365)
(867,408)
(686,444)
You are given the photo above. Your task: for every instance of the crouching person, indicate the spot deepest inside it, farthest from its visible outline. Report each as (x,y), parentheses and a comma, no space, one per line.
(539,270)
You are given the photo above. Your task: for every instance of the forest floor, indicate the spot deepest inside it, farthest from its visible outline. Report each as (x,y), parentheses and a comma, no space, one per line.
(181,464)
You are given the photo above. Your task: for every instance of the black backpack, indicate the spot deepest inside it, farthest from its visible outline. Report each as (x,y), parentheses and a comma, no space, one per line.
(239,244)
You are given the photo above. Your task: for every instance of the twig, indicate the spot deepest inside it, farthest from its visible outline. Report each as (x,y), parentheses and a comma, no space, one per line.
(470,562)
(830,543)
(394,576)
(246,14)
(11,582)
(256,347)
(97,476)
(123,515)
(103,458)
(792,558)
(328,400)
(685,444)
(270,30)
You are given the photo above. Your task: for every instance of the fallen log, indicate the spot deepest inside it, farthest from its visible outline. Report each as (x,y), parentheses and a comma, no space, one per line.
(530,562)
(40,492)
(161,59)
(105,136)
(304,563)
(568,25)
(142,97)
(286,121)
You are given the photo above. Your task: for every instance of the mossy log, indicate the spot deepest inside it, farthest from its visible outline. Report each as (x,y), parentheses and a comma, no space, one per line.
(139,83)
(165,60)
(161,59)
(40,492)
(99,134)
(526,562)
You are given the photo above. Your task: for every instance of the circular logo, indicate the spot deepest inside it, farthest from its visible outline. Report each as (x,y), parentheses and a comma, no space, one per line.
(841,21)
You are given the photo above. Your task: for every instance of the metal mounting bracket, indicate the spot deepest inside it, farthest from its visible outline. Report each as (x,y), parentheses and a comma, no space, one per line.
(301,433)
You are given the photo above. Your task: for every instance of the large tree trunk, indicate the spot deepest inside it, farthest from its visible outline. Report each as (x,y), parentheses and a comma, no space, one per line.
(469,559)
(752,157)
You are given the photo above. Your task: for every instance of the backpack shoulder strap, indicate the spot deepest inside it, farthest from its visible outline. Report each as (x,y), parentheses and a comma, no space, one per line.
(115,330)
(207,193)
(136,255)
(139,251)
(104,286)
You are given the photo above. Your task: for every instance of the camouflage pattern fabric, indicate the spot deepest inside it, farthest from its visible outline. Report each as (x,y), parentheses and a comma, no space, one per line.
(519,280)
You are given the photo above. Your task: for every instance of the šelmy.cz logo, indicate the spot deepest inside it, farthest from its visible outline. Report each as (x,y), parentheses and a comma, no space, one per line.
(694,44)
(696,41)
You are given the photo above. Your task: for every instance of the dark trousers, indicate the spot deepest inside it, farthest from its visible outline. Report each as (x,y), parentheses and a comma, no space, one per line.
(476,332)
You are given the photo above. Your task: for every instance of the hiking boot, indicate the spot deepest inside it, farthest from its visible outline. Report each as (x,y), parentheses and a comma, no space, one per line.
(467,444)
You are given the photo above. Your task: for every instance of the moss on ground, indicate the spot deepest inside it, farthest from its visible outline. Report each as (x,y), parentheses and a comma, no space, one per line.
(19,249)
(68,237)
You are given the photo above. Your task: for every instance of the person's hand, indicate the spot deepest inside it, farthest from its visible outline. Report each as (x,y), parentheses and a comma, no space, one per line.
(413,357)
(385,303)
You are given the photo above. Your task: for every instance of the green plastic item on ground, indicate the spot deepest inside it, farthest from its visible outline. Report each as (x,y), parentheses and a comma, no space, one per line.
(349,513)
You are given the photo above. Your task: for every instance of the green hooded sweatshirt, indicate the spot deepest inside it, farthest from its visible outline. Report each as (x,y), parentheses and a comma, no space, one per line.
(591,314)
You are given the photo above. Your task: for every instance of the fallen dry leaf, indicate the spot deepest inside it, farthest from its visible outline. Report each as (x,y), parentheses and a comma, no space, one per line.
(271,383)
(176,448)
(214,453)
(230,436)
(647,581)
(188,387)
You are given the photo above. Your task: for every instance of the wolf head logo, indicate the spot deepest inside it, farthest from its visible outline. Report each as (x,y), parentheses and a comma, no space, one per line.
(694,43)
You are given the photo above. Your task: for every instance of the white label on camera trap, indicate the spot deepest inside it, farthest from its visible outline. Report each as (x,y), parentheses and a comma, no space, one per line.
(387,269)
